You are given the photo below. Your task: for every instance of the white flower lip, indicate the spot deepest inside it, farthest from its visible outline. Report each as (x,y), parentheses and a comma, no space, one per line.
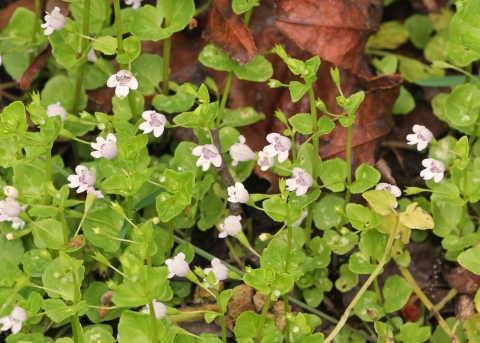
(105,147)
(280,145)
(10,209)
(177,265)
(134,3)
(83,180)
(219,270)
(123,81)
(154,122)
(391,189)
(421,137)
(14,320)
(159,308)
(241,152)
(230,227)
(434,169)
(264,161)
(53,21)
(56,110)
(301,182)
(10,192)
(208,155)
(238,193)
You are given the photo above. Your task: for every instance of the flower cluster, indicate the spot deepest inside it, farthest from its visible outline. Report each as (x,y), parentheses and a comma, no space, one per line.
(14,321)
(10,209)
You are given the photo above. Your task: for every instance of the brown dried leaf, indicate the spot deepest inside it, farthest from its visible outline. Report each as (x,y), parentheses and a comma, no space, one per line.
(38,62)
(465,308)
(228,31)
(336,30)
(463,280)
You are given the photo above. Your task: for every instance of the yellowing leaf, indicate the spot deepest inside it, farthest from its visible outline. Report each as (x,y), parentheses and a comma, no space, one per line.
(416,218)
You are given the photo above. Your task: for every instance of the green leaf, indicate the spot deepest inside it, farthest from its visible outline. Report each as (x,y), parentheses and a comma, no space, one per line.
(361,217)
(412,333)
(396,292)
(241,116)
(385,335)
(256,278)
(35,261)
(183,158)
(273,255)
(121,105)
(321,250)
(258,70)
(211,209)
(325,215)
(10,272)
(13,120)
(108,222)
(365,178)
(96,74)
(447,217)
(472,328)
(99,12)
(405,102)
(461,106)
(213,57)
(462,147)
(179,102)
(57,311)
(20,25)
(391,35)
(382,202)
(333,174)
(98,335)
(61,89)
(368,302)
(148,70)
(242,6)
(453,242)
(65,47)
(137,327)
(297,90)
(359,263)
(247,326)
(347,279)
(228,137)
(48,233)
(419,28)
(470,259)
(340,244)
(106,45)
(325,126)
(302,122)
(275,208)
(448,193)
(146,23)
(93,296)
(131,50)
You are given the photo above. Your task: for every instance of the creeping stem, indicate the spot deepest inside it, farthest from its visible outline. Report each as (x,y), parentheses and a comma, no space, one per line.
(153,318)
(372,277)
(285,296)
(75,320)
(222,317)
(262,319)
(167,44)
(35,22)
(48,173)
(82,61)
(349,163)
(223,102)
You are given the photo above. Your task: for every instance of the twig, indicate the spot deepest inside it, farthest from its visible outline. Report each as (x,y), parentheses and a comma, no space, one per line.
(25,81)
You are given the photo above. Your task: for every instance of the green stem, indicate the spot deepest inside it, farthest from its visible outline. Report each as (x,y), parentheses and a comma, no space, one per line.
(285,296)
(171,229)
(82,61)
(153,320)
(19,148)
(287,322)
(167,44)
(118,21)
(35,22)
(48,173)
(129,207)
(222,319)
(262,318)
(223,102)
(377,292)
(75,321)
(349,163)
(64,226)
(371,278)
(474,135)
(247,16)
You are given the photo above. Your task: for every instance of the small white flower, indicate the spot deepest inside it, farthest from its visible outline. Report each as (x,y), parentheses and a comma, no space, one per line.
(14,320)
(91,57)
(435,169)
(154,122)
(301,182)
(83,180)
(177,266)
(17,223)
(56,110)
(264,161)
(391,189)
(10,209)
(123,81)
(238,193)
(280,146)
(159,308)
(53,21)
(231,226)
(134,3)
(302,217)
(105,147)
(219,270)
(208,154)
(422,137)
(241,152)
(10,192)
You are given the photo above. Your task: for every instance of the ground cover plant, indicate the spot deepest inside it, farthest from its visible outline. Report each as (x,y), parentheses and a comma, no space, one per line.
(240,171)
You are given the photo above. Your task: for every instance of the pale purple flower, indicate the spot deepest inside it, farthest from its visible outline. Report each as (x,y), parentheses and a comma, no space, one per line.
(83,180)
(279,147)
(56,110)
(134,3)
(421,137)
(14,320)
(208,154)
(123,81)
(98,194)
(434,169)
(53,21)
(230,227)
(159,308)
(105,147)
(219,270)
(177,266)
(301,182)
(264,161)
(17,223)
(238,193)
(154,122)
(391,189)
(10,210)
(241,152)
(10,192)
